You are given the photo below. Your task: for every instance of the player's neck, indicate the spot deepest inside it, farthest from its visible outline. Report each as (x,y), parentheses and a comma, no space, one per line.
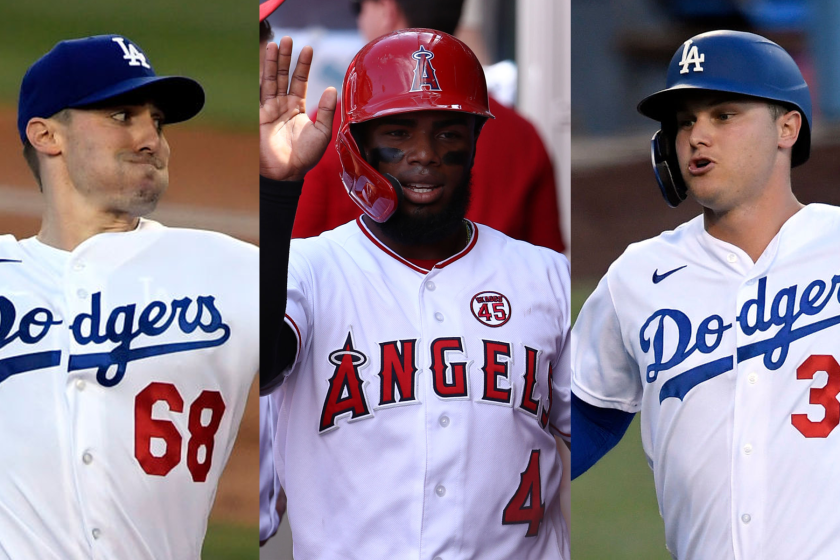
(436,252)
(753,226)
(67,230)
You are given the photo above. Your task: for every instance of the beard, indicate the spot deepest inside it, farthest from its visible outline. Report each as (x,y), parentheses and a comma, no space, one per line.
(423,228)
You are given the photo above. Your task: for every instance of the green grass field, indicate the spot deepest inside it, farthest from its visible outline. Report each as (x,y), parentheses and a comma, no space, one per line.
(231,542)
(213,42)
(614,511)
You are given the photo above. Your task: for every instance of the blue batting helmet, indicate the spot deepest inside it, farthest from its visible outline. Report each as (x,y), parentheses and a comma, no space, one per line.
(731,62)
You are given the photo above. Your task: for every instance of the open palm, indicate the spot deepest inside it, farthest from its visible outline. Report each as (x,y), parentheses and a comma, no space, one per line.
(290,143)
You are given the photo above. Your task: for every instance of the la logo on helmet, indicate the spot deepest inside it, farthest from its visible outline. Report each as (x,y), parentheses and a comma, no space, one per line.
(131,53)
(424,72)
(691,56)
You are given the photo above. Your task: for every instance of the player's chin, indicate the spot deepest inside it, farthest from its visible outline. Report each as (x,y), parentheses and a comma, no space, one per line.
(144,199)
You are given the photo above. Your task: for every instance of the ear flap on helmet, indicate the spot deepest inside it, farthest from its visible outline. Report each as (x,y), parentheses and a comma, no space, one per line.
(376,195)
(667,169)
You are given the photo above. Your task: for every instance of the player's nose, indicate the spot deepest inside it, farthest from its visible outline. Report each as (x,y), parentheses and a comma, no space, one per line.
(701,132)
(147,131)
(422,150)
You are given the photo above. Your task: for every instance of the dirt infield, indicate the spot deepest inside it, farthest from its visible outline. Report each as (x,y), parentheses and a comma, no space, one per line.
(213,184)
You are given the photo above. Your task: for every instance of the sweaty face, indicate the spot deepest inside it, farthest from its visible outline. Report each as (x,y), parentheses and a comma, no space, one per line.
(117,157)
(727,148)
(431,154)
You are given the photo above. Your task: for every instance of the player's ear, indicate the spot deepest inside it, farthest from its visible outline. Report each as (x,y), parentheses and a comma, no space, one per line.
(41,133)
(789,126)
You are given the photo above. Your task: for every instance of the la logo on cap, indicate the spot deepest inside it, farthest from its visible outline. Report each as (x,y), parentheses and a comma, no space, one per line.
(424,72)
(131,53)
(691,56)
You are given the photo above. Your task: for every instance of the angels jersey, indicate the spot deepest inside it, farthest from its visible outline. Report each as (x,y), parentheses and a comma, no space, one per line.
(124,370)
(418,418)
(734,367)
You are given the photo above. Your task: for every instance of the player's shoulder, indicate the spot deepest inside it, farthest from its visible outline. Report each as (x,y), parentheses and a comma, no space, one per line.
(10,248)
(342,240)
(667,244)
(198,239)
(512,250)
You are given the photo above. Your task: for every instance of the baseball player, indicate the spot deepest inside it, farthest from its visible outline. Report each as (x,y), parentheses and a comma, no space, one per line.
(529,212)
(723,332)
(423,357)
(126,348)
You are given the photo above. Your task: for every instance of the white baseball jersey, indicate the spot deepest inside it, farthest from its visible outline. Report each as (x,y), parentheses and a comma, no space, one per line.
(734,366)
(124,369)
(270,490)
(417,420)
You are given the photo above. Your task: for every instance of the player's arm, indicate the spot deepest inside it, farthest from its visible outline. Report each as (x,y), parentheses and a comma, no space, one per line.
(606,387)
(290,145)
(597,430)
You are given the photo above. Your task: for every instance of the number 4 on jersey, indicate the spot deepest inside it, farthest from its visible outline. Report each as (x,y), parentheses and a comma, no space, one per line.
(528,493)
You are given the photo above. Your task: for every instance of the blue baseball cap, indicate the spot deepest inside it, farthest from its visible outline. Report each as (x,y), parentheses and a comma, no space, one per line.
(81,72)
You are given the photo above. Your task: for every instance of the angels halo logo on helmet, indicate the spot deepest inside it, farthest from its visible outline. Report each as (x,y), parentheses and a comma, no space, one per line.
(380,81)
(729,62)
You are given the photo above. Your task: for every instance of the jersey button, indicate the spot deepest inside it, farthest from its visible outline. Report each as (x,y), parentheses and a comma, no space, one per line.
(80,384)
(81,293)
(752,378)
(747,449)
(444,421)
(732,257)
(430,286)
(78,266)
(746,518)
(440,490)
(96,533)
(87,458)
(439,316)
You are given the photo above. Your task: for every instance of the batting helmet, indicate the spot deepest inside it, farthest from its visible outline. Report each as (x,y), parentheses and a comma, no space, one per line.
(731,62)
(396,74)
(267,8)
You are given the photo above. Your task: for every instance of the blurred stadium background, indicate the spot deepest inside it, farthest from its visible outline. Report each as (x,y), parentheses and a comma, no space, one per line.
(213,170)
(524,46)
(621,49)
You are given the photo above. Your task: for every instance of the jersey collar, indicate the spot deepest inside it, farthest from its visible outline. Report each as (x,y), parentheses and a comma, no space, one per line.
(409,264)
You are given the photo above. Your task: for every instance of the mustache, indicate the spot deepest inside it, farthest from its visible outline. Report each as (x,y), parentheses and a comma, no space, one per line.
(150,159)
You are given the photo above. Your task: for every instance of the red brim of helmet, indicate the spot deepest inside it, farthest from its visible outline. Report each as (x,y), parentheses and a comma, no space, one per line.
(267,8)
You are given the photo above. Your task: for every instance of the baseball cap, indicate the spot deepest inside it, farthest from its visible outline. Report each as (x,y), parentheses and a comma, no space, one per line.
(81,72)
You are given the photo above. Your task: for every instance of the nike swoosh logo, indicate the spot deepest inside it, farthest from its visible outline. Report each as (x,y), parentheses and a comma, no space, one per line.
(657,278)
(9,260)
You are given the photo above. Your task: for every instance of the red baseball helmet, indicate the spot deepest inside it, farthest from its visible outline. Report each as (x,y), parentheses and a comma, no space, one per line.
(402,72)
(267,7)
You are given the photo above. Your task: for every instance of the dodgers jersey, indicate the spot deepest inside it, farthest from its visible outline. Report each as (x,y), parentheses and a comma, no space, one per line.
(418,418)
(124,369)
(734,367)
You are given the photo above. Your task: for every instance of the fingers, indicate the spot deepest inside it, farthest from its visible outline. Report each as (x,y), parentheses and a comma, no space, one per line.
(284,62)
(326,110)
(268,81)
(301,75)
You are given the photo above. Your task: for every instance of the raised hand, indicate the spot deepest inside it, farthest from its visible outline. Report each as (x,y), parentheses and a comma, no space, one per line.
(290,143)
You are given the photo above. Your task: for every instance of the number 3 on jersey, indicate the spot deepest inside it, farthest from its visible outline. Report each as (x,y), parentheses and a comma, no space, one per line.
(825,396)
(528,493)
(209,404)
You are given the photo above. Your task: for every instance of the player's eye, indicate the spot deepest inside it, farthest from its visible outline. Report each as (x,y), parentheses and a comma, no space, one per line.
(121,116)
(684,122)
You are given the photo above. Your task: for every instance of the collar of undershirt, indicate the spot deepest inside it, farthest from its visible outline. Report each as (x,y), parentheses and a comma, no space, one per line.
(418,265)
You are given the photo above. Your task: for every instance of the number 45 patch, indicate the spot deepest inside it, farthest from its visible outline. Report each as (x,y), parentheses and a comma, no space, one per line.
(526,505)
